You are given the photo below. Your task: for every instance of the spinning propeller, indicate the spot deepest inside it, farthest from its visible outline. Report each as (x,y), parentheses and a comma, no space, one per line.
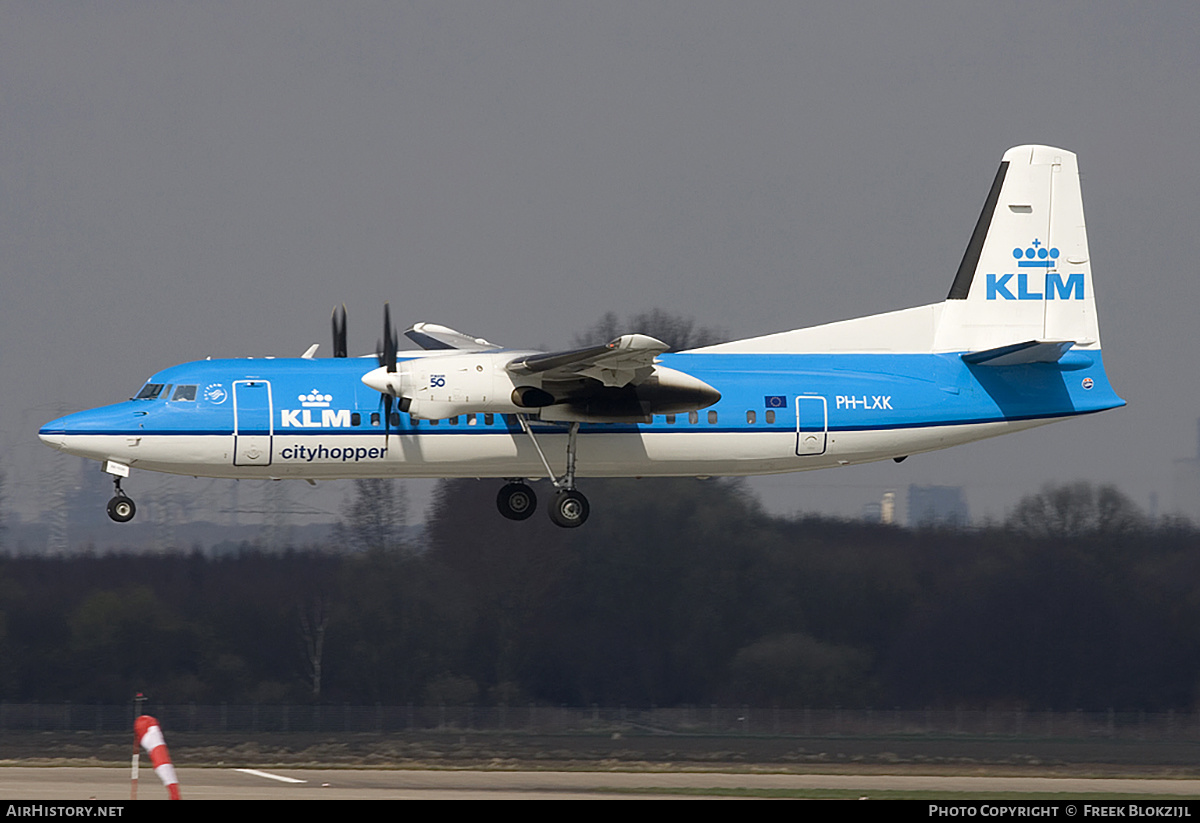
(386,353)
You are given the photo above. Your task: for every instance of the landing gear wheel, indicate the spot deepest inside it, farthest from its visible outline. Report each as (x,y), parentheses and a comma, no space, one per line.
(121,509)
(516,501)
(570,509)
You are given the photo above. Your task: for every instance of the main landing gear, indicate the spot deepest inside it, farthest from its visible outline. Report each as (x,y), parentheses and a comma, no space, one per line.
(569,508)
(120,507)
(516,501)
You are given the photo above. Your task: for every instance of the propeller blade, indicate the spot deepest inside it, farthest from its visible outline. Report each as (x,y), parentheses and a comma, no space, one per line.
(339,332)
(390,341)
(385,352)
(387,418)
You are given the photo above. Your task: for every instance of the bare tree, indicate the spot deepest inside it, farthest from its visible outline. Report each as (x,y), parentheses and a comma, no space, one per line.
(314,618)
(1074,509)
(680,333)
(374,519)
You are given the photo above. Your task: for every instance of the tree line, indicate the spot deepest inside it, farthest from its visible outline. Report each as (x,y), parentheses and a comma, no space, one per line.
(677,592)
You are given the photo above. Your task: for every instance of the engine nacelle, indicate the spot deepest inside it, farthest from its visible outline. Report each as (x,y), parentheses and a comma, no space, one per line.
(434,387)
(438,386)
(665,391)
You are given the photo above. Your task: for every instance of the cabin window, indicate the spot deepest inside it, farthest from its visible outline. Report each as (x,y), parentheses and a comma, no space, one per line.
(355,419)
(149,391)
(670,420)
(375,418)
(395,419)
(184,393)
(750,417)
(770,415)
(434,422)
(712,417)
(488,419)
(454,420)
(693,417)
(471,419)
(511,419)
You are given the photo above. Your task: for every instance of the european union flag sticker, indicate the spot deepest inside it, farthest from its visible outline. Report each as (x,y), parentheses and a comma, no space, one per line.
(775,401)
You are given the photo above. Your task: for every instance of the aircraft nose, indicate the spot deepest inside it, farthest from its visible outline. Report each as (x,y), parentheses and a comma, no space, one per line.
(53,434)
(91,433)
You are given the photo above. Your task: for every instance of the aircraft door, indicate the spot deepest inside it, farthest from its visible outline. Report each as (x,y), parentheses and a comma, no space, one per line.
(253,420)
(812,424)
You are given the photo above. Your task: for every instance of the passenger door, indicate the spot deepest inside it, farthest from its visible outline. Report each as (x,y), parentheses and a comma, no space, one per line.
(812,424)
(253,423)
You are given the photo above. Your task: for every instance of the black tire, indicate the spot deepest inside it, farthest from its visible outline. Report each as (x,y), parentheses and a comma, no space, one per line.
(516,501)
(121,509)
(570,509)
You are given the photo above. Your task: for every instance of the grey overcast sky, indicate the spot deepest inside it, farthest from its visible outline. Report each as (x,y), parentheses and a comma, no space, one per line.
(185,179)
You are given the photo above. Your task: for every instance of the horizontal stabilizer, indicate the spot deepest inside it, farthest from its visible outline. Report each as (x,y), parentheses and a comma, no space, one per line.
(1017,354)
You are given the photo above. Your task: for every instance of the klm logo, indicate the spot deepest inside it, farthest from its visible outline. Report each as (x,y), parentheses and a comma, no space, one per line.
(1035,285)
(314,402)
(1053,286)
(303,418)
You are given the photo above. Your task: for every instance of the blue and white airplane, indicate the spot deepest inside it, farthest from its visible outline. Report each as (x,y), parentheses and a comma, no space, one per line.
(1015,345)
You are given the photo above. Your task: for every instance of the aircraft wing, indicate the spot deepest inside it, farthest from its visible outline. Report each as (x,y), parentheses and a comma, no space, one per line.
(629,359)
(431,336)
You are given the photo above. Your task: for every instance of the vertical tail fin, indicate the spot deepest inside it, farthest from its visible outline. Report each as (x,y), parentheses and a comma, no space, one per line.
(1026,274)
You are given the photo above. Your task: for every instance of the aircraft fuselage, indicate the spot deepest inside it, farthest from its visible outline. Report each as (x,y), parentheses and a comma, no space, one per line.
(315,419)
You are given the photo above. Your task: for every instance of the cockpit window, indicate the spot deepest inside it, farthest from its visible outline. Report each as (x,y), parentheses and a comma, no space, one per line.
(184,393)
(149,391)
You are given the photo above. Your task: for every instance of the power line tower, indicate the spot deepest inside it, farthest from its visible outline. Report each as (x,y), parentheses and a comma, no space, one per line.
(276,507)
(165,513)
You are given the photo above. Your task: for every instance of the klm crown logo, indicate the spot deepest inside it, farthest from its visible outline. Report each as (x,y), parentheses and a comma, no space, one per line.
(1036,255)
(315,400)
(1053,285)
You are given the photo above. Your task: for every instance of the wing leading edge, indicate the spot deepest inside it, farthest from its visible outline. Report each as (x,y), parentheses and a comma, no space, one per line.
(620,362)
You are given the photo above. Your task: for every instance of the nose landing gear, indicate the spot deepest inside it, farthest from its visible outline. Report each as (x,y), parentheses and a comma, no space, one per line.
(121,508)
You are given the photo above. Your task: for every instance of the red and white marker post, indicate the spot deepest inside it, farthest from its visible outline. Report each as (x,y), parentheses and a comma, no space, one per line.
(148,734)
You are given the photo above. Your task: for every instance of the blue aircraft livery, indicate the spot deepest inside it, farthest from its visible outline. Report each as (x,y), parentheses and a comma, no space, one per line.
(1016,344)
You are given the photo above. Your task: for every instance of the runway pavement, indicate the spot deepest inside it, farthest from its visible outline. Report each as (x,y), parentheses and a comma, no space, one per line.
(82,783)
